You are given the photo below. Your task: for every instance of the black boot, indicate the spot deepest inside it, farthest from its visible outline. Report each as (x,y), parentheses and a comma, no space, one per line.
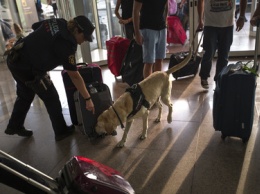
(21,132)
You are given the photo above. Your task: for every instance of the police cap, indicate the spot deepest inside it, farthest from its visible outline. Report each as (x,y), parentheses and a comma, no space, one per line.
(86,26)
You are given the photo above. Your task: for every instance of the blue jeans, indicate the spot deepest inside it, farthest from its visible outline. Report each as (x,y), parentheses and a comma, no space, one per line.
(215,38)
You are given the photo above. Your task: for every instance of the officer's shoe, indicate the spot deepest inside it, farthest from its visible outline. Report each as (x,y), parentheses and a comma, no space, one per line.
(69,131)
(21,132)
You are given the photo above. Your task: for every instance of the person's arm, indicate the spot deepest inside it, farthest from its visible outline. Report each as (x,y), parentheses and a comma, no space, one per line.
(256,15)
(80,85)
(241,19)
(136,21)
(200,10)
(118,3)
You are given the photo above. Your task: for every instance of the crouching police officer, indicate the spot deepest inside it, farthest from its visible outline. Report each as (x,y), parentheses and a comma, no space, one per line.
(53,42)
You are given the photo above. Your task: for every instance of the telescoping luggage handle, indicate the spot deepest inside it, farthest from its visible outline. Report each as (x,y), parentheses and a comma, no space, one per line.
(24,177)
(193,41)
(256,45)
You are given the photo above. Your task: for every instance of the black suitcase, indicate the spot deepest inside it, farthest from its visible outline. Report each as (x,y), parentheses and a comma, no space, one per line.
(101,99)
(132,67)
(192,67)
(234,98)
(79,175)
(233,101)
(90,73)
(188,70)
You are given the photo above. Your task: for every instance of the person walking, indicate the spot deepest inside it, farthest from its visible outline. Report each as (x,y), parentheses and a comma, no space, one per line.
(217,21)
(53,42)
(54,7)
(150,31)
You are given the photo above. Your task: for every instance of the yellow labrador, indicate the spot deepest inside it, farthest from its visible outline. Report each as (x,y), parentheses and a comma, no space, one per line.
(156,87)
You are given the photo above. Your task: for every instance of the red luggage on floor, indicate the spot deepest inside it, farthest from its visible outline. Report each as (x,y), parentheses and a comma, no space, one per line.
(84,175)
(175,31)
(116,50)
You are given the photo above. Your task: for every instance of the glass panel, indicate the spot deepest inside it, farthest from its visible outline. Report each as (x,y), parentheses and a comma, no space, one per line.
(116,28)
(88,12)
(103,22)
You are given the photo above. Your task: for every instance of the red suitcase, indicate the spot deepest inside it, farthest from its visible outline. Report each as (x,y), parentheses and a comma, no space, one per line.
(79,175)
(175,32)
(116,50)
(83,175)
(90,73)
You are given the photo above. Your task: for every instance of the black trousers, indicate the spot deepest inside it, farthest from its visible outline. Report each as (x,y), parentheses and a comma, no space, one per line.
(25,96)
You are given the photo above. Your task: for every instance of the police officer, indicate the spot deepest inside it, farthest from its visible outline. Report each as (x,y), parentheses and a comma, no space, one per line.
(53,42)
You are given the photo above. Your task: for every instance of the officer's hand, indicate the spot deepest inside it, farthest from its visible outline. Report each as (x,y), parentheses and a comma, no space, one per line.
(90,106)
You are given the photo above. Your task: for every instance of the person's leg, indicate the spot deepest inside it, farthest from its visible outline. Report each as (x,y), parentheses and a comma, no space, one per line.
(148,51)
(160,51)
(52,103)
(129,31)
(225,39)
(22,105)
(54,6)
(209,47)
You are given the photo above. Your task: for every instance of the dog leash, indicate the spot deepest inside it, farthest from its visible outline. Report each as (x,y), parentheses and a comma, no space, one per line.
(121,123)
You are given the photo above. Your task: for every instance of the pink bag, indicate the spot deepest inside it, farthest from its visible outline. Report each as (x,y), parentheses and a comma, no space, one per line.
(172,7)
(175,32)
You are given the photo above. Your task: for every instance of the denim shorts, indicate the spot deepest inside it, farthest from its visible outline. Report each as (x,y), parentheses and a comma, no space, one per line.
(154,45)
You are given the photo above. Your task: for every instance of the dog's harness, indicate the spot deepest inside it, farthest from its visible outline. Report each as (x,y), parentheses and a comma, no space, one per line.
(138,99)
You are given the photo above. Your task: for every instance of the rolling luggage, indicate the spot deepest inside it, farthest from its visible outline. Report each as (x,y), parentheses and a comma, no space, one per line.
(79,175)
(175,31)
(234,98)
(132,67)
(90,73)
(102,100)
(192,67)
(116,50)
(88,176)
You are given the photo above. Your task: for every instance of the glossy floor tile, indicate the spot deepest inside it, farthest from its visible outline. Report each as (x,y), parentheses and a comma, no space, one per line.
(185,156)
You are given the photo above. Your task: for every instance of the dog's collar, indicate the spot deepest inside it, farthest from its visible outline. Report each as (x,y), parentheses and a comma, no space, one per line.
(121,123)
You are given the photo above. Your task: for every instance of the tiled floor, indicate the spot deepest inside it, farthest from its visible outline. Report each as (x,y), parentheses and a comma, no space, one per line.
(186,157)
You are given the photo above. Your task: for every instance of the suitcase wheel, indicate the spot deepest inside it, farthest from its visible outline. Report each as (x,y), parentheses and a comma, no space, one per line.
(245,140)
(223,137)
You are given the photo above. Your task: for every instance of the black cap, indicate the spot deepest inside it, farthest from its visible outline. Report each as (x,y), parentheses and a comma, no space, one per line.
(86,26)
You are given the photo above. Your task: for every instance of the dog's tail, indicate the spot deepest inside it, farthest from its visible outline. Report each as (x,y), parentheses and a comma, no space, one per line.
(181,64)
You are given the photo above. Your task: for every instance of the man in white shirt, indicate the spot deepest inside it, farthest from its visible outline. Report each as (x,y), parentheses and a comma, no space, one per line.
(217,19)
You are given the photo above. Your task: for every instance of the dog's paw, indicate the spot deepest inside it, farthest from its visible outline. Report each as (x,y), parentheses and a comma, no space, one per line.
(142,137)
(169,119)
(120,144)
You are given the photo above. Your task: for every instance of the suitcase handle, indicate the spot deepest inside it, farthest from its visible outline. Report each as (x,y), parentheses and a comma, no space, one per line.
(256,45)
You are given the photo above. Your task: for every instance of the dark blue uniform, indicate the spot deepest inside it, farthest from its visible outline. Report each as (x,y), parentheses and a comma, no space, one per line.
(50,45)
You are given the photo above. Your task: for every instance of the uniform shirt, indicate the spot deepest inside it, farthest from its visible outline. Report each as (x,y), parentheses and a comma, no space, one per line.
(49,46)
(152,14)
(219,13)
